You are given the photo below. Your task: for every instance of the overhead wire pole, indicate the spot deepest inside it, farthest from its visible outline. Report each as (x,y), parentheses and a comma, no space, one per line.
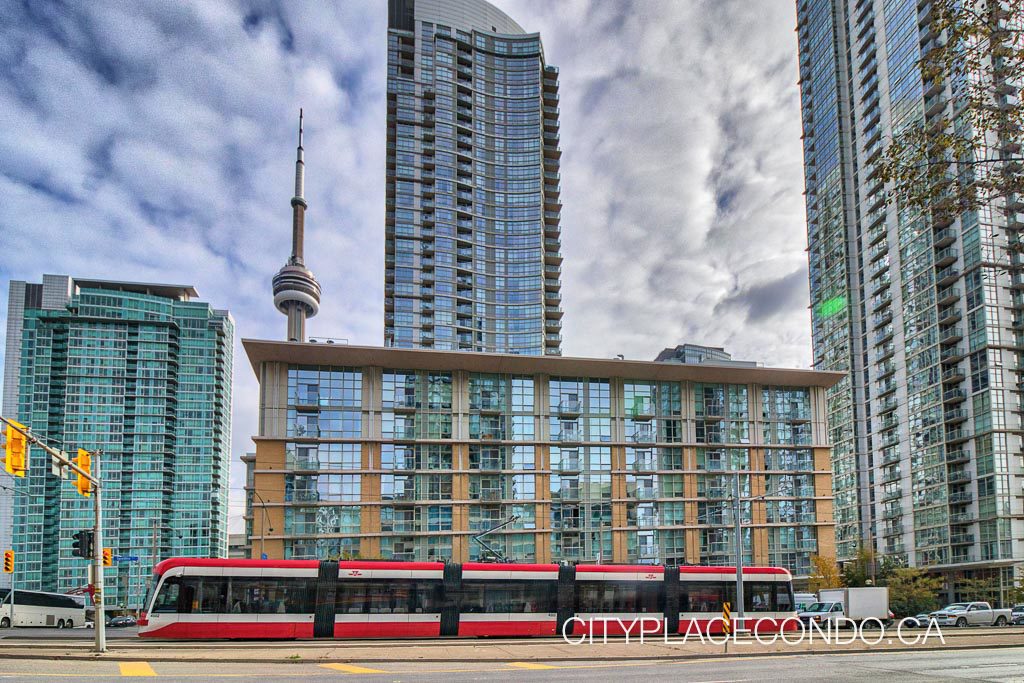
(60,460)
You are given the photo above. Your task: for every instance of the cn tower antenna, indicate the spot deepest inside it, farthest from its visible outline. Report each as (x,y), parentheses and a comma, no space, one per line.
(296,291)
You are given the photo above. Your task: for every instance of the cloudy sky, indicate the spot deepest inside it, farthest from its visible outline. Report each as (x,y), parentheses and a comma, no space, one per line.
(155,141)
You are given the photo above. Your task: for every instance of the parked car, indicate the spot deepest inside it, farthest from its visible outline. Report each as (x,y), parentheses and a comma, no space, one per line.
(964,614)
(1017,615)
(916,621)
(121,622)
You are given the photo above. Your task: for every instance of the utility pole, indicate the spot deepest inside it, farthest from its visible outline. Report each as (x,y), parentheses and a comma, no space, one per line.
(99,620)
(91,474)
(738,525)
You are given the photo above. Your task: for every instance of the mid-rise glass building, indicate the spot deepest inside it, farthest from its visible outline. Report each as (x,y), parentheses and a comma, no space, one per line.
(921,314)
(407,454)
(473,251)
(141,373)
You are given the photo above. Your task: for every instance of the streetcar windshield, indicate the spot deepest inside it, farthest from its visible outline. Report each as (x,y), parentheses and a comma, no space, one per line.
(149,591)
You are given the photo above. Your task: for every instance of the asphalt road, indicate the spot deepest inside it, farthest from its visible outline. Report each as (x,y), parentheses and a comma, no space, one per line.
(1004,665)
(67,633)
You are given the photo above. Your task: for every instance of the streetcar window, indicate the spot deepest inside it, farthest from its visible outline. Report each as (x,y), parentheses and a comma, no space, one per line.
(272,596)
(757,596)
(783,597)
(701,596)
(620,596)
(167,598)
(387,596)
(212,595)
(509,597)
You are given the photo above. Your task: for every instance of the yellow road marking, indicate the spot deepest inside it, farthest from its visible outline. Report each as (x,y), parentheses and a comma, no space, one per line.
(352,669)
(136,669)
(531,665)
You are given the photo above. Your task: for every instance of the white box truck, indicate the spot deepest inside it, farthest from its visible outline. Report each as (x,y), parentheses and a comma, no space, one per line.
(855,604)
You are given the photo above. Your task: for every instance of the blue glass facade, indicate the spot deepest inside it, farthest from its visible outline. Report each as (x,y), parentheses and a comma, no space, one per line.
(141,374)
(920,309)
(473,258)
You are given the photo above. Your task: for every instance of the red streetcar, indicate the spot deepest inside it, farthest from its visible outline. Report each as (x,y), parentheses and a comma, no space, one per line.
(275,599)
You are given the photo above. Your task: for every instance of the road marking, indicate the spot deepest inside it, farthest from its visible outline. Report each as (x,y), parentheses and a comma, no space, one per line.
(352,669)
(532,665)
(136,669)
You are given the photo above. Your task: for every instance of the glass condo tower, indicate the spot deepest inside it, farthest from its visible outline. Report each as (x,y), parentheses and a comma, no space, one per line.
(923,315)
(473,255)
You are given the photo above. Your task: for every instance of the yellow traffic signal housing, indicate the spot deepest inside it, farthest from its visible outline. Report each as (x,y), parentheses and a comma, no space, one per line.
(16,450)
(8,562)
(84,461)
(108,557)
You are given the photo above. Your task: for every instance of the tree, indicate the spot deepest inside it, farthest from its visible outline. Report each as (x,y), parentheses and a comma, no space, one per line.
(866,570)
(824,574)
(912,591)
(965,152)
(979,589)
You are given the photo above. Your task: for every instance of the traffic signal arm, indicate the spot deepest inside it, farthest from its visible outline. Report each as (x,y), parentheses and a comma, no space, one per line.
(23,435)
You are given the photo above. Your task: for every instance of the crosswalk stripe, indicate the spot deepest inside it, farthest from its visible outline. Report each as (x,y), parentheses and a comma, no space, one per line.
(136,669)
(532,665)
(352,669)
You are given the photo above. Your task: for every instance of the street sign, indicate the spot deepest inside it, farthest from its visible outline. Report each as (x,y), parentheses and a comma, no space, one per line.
(263,556)
(125,558)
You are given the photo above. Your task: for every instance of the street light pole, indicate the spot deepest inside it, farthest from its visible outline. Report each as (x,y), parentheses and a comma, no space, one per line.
(263,527)
(738,525)
(99,620)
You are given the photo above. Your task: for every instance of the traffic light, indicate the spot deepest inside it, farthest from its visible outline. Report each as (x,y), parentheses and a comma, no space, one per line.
(84,461)
(8,562)
(82,545)
(16,450)
(108,557)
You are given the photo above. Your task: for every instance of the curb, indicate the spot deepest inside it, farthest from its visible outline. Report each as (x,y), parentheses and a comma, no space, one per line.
(109,656)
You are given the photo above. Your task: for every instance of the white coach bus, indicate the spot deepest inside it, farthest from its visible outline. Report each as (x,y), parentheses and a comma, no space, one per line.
(35,608)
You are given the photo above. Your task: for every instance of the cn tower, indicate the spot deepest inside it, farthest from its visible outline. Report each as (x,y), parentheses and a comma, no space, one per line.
(296,291)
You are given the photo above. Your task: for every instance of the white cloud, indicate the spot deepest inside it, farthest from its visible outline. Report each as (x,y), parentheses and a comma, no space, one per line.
(155,142)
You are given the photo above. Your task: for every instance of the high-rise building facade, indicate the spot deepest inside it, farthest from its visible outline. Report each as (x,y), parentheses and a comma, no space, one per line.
(140,373)
(407,454)
(922,315)
(473,250)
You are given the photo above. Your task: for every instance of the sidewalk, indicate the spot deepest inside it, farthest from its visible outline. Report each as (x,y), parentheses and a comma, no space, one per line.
(551,650)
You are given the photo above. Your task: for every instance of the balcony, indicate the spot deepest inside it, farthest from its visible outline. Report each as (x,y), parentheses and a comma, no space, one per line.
(948,295)
(951,335)
(957,454)
(953,374)
(962,539)
(569,406)
(952,353)
(569,465)
(954,396)
(958,476)
(957,435)
(643,436)
(949,315)
(946,256)
(567,436)
(947,276)
(960,497)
